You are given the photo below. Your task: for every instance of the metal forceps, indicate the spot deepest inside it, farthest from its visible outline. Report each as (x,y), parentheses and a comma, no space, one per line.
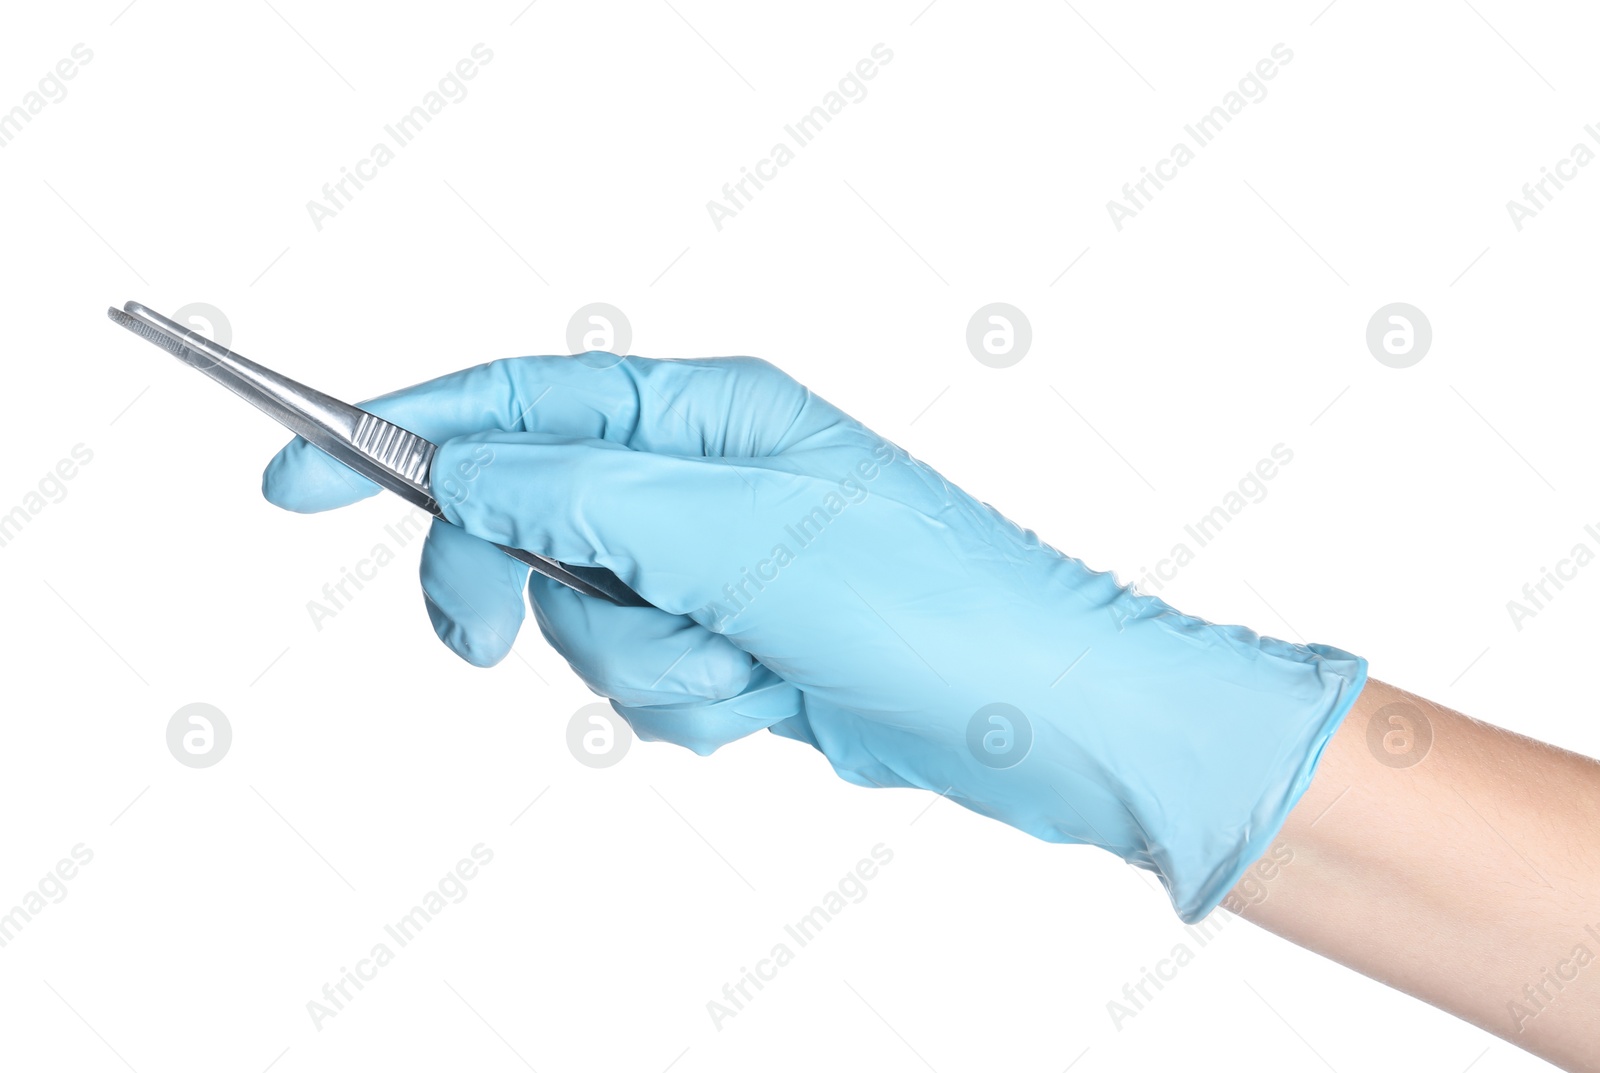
(383,452)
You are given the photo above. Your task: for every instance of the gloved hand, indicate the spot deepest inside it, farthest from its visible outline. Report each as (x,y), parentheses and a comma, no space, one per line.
(811,577)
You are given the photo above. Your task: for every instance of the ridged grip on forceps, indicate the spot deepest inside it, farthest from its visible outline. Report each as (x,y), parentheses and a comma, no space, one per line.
(406,453)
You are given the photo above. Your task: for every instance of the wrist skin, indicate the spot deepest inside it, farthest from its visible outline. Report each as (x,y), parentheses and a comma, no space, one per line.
(1454,861)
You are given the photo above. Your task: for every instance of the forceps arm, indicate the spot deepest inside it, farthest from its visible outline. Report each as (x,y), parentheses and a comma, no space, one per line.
(379,450)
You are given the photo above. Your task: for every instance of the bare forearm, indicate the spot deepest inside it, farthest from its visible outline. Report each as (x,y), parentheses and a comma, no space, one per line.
(1452,860)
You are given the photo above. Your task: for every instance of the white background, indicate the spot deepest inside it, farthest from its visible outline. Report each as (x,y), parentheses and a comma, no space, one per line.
(1228,317)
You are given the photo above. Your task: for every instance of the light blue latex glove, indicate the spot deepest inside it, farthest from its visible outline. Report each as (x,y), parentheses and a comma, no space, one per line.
(811,577)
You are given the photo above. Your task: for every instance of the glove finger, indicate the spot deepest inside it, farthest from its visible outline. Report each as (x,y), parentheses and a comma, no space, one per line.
(638,656)
(832,732)
(723,406)
(705,726)
(798,728)
(852,766)
(694,536)
(670,678)
(473,592)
